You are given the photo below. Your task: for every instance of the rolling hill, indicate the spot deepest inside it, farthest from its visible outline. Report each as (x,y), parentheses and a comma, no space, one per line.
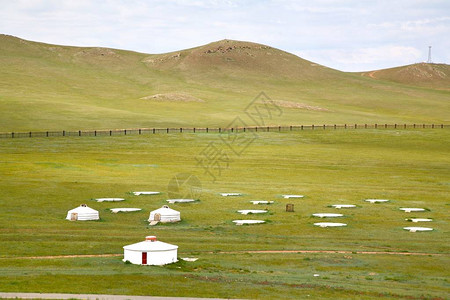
(422,74)
(51,87)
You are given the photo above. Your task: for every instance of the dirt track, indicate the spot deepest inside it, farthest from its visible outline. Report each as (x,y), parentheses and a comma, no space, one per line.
(249,251)
(91,296)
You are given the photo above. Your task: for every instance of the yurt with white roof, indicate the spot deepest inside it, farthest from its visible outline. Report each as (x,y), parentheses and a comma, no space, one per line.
(164,215)
(150,252)
(82,213)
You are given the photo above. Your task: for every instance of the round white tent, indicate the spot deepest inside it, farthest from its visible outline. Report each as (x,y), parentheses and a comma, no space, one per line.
(82,213)
(150,252)
(164,215)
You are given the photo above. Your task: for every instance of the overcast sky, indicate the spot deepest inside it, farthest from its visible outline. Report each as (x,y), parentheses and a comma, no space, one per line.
(349,35)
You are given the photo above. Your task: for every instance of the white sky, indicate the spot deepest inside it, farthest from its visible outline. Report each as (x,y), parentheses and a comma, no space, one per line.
(349,35)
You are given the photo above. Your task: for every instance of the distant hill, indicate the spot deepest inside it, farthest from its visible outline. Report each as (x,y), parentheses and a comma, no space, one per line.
(422,74)
(237,57)
(52,87)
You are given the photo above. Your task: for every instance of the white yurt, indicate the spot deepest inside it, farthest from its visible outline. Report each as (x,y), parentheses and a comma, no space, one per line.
(82,213)
(150,252)
(164,215)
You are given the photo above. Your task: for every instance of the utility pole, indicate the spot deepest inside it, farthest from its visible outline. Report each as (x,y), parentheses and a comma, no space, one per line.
(429,55)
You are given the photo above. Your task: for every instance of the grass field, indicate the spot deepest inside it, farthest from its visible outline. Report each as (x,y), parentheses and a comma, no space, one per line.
(42,178)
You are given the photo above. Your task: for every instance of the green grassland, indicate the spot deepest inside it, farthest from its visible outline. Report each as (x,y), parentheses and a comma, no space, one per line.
(42,178)
(50,87)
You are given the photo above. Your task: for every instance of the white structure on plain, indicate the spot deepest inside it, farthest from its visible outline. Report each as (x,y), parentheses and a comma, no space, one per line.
(429,61)
(109,199)
(410,209)
(150,252)
(327,215)
(415,229)
(230,194)
(124,209)
(261,202)
(164,215)
(146,193)
(327,224)
(248,222)
(377,200)
(252,211)
(339,206)
(82,213)
(415,220)
(171,201)
(292,196)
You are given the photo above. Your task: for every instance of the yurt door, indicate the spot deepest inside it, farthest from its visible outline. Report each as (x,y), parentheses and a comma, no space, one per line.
(158,217)
(144,258)
(73,216)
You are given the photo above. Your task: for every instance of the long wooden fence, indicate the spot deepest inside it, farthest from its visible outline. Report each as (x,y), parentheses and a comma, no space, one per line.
(142,131)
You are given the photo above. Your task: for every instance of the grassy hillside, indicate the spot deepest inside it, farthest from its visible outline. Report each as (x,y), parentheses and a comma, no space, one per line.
(50,87)
(435,76)
(41,179)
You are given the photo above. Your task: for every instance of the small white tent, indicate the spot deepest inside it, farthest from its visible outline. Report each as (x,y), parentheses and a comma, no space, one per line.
(82,213)
(150,252)
(164,215)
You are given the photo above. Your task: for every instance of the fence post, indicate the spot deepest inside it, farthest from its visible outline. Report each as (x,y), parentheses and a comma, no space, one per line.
(207,130)
(220,130)
(12,135)
(153,130)
(181,129)
(95,132)
(376,125)
(47,133)
(64,133)
(79,132)
(423,125)
(256,128)
(356,126)
(385,125)
(244,129)
(30,133)
(167,130)
(395,126)
(290,128)
(442,125)
(312,127)
(345,126)
(414,125)
(194,129)
(301,127)
(139,131)
(110,133)
(432,125)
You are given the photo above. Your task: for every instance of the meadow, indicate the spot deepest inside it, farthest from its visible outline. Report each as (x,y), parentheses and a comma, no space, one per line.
(42,178)
(51,87)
